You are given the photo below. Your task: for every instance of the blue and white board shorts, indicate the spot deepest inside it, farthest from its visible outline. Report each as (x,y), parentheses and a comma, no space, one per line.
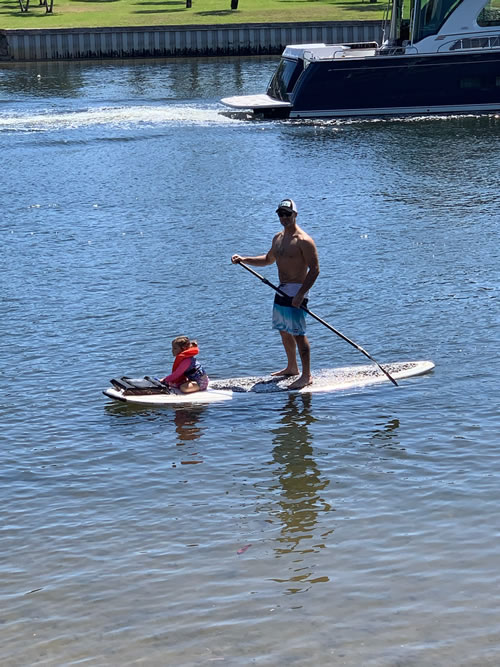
(285,316)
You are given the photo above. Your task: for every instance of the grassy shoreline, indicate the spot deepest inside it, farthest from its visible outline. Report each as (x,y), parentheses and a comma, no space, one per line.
(136,13)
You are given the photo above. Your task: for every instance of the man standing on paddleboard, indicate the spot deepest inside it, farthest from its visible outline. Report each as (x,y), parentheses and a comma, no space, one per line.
(296,256)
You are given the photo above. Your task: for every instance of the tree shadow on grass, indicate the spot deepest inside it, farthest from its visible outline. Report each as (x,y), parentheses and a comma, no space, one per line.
(13,9)
(161,6)
(29,15)
(93,1)
(359,5)
(157,11)
(331,2)
(220,12)
(163,2)
(10,8)
(365,6)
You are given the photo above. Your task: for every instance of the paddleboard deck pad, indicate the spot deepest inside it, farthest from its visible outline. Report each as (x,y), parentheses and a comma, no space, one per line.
(332,379)
(149,391)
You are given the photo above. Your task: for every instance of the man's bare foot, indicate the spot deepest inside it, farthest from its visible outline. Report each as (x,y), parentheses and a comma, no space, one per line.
(286,372)
(300,383)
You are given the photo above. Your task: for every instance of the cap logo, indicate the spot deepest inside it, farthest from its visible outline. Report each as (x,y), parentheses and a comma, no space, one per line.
(287,204)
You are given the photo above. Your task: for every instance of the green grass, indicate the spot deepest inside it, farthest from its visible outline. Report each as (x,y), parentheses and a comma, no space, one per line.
(111,13)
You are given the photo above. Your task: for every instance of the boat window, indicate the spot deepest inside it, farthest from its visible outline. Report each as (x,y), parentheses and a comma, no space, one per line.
(430,15)
(476,43)
(284,79)
(489,14)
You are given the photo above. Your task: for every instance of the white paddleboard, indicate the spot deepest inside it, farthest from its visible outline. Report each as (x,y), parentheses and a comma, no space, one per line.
(326,380)
(329,379)
(197,397)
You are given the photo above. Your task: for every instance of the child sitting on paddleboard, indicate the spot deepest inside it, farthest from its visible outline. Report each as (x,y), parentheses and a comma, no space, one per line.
(187,373)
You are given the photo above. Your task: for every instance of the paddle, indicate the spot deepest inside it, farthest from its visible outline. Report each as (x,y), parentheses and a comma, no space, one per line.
(328,326)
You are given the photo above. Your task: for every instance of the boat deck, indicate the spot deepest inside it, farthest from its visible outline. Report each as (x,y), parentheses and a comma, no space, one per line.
(256,102)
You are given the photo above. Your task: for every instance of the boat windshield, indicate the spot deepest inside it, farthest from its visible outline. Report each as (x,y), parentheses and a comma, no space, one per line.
(397,24)
(429,15)
(284,79)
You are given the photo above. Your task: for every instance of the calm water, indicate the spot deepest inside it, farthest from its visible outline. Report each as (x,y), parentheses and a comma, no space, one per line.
(371,515)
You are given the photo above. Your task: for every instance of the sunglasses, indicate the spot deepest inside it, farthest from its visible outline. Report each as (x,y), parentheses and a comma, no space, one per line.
(285,214)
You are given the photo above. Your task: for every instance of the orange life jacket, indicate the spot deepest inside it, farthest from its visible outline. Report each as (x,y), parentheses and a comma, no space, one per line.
(185,354)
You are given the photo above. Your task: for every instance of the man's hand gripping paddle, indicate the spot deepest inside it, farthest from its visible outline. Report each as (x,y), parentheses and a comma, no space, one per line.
(328,326)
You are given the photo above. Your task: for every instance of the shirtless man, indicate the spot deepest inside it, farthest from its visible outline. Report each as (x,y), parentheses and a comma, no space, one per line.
(296,255)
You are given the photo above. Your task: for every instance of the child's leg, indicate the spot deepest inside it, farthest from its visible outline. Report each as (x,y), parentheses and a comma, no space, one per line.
(189,387)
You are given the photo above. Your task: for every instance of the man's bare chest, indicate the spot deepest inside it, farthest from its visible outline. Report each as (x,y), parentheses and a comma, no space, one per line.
(288,247)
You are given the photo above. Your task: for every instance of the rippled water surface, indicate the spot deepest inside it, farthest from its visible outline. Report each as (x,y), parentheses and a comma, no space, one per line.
(353,528)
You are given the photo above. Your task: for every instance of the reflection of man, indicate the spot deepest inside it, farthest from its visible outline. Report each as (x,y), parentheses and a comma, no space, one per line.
(300,500)
(296,256)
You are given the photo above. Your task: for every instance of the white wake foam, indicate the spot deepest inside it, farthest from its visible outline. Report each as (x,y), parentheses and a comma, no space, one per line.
(124,117)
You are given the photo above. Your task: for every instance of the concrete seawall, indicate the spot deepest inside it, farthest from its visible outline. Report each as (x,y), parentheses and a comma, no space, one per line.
(177,41)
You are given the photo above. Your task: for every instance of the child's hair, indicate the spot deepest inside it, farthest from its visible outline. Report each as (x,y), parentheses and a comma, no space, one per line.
(184,342)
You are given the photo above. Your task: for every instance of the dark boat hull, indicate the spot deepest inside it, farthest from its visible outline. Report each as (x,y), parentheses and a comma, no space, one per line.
(399,84)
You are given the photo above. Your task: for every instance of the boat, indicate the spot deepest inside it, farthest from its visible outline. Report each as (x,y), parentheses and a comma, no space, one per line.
(435,57)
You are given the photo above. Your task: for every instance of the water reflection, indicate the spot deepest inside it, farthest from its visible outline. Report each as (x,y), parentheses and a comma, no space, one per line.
(387,433)
(42,80)
(144,80)
(300,485)
(187,424)
(185,420)
(130,413)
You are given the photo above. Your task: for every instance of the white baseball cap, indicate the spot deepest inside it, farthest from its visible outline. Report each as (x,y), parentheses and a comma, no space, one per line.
(287,205)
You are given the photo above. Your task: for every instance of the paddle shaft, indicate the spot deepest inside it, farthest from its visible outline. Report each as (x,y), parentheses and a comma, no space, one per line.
(321,321)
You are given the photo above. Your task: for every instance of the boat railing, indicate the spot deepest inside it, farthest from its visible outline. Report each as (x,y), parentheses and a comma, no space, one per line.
(391,51)
(324,53)
(332,51)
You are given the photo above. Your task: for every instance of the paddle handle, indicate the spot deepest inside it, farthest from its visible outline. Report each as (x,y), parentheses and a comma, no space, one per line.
(321,321)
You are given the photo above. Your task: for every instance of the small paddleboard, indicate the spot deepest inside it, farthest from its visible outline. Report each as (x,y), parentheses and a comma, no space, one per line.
(329,379)
(197,397)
